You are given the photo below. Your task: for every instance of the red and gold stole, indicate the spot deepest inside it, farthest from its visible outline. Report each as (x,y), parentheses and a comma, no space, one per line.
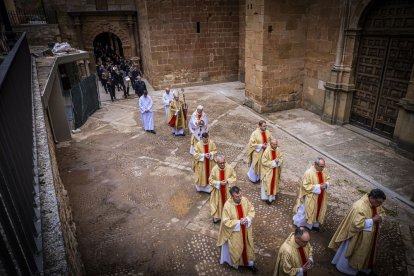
(222,188)
(171,123)
(264,138)
(321,195)
(303,258)
(374,242)
(243,229)
(199,116)
(207,163)
(272,183)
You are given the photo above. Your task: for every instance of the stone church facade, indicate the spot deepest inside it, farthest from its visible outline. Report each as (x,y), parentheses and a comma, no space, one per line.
(350,61)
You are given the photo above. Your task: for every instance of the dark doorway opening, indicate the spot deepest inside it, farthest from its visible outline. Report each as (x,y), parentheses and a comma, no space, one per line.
(107,47)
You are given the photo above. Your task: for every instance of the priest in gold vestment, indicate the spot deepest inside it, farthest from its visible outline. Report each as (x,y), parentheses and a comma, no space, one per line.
(176,116)
(356,238)
(222,177)
(258,142)
(295,256)
(236,232)
(271,169)
(310,208)
(205,157)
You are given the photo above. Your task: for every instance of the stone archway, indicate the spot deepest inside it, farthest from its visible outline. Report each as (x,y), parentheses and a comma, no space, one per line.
(90,24)
(106,45)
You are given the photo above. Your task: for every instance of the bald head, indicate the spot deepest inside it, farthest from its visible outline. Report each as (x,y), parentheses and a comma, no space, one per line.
(221,161)
(273,143)
(302,236)
(319,164)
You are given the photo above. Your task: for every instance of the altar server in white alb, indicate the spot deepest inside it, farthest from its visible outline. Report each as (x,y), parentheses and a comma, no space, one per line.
(147,116)
(166,100)
(197,125)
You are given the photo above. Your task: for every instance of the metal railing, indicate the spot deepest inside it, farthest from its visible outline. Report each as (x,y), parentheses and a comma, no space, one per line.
(20,239)
(31,17)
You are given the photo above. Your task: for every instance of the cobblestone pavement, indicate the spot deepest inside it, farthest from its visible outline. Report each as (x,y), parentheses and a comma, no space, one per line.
(137,212)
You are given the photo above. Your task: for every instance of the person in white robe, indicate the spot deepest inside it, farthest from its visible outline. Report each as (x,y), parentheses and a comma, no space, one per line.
(197,125)
(166,100)
(147,116)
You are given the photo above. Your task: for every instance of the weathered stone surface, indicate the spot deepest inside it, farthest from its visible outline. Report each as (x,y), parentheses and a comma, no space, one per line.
(137,210)
(40,34)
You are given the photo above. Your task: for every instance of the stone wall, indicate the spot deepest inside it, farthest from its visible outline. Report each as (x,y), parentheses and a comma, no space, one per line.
(242,38)
(40,34)
(121,5)
(66,23)
(275,57)
(145,41)
(92,26)
(180,55)
(322,20)
(60,247)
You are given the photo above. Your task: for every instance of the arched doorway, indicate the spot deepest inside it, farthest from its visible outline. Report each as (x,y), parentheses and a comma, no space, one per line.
(384,64)
(107,46)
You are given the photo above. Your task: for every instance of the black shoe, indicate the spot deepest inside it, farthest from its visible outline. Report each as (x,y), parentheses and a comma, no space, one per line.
(315,229)
(268,202)
(216,221)
(253,269)
(153,131)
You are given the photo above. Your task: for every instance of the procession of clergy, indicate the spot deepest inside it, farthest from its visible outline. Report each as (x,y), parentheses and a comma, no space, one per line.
(354,241)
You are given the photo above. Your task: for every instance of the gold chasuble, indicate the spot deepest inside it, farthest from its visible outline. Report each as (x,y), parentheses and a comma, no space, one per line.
(176,118)
(315,205)
(241,245)
(203,168)
(291,257)
(258,137)
(220,195)
(362,244)
(270,175)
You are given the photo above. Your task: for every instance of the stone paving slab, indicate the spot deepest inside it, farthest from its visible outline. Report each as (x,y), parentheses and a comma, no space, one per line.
(375,161)
(137,212)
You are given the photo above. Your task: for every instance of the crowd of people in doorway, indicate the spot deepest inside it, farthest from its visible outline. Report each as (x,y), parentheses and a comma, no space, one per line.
(116,73)
(355,239)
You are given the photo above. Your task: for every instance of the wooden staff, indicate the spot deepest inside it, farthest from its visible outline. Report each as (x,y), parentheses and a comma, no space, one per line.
(185,106)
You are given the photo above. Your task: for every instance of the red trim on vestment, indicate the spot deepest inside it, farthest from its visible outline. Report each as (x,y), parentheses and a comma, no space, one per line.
(272,183)
(222,188)
(207,162)
(321,195)
(171,123)
(243,230)
(303,258)
(264,138)
(374,242)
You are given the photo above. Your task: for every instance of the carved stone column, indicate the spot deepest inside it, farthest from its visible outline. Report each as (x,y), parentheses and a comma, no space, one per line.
(403,139)
(339,89)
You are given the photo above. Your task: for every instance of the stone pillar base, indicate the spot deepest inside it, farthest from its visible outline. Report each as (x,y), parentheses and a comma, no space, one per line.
(278,106)
(403,139)
(337,105)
